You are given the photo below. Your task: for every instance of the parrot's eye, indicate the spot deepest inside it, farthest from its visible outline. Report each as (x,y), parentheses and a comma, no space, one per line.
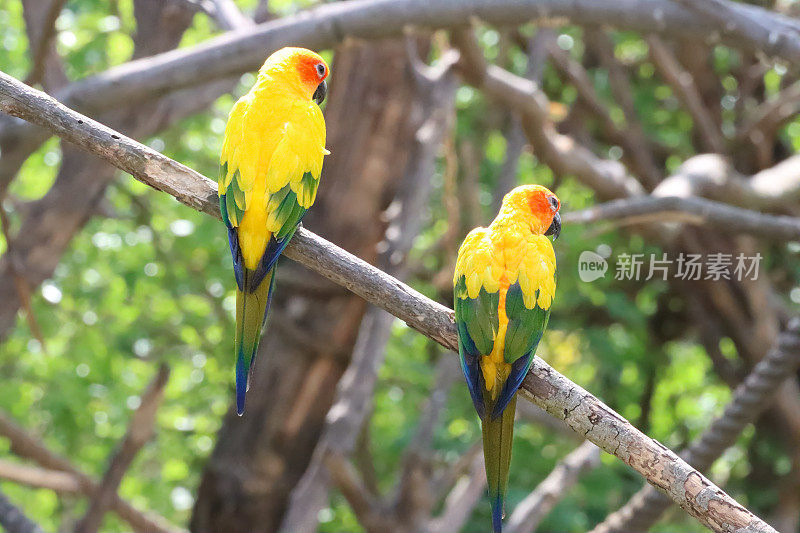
(553,203)
(320,70)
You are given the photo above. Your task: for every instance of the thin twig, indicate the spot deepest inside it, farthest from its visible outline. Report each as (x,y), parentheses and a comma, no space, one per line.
(622,91)
(761,125)
(20,283)
(365,505)
(29,447)
(41,33)
(635,152)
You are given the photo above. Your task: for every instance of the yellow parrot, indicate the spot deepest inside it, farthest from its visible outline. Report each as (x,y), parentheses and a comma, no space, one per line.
(269,172)
(504,284)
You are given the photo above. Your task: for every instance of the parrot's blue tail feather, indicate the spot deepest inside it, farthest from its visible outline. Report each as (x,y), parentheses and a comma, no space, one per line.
(497,514)
(252,306)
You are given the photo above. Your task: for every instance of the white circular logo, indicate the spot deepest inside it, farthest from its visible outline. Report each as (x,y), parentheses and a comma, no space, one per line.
(591,266)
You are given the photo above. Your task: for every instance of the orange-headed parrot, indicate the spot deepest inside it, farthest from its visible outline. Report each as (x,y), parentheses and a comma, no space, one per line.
(270,168)
(505,280)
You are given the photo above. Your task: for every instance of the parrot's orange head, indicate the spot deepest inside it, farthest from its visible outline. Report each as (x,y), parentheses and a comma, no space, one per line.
(538,205)
(300,69)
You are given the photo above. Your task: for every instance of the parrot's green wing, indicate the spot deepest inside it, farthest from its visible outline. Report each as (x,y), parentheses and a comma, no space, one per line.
(476,305)
(477,321)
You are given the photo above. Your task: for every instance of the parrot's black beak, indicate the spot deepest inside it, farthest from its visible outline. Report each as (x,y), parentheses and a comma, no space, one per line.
(555,227)
(320,93)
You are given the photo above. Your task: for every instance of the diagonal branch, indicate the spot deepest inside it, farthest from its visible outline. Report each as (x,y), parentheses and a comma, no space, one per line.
(460,501)
(29,447)
(686,90)
(40,24)
(228,15)
(560,397)
(619,82)
(560,152)
(529,512)
(365,505)
(749,400)
(139,432)
(634,148)
(32,476)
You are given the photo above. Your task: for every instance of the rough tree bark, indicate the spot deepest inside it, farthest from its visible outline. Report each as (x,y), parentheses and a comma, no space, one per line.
(259,458)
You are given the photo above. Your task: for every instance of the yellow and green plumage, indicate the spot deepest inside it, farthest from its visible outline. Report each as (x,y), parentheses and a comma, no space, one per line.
(270,168)
(505,280)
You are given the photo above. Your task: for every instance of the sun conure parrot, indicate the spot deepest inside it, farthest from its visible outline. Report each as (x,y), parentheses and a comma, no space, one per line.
(505,280)
(270,168)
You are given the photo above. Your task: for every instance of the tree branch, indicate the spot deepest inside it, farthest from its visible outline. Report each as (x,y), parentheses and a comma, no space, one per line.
(620,83)
(761,124)
(529,512)
(560,152)
(40,24)
(563,399)
(236,52)
(462,499)
(228,15)
(366,507)
(516,141)
(371,19)
(139,432)
(29,447)
(713,176)
(634,149)
(691,210)
(687,92)
(55,480)
(777,36)
(749,400)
